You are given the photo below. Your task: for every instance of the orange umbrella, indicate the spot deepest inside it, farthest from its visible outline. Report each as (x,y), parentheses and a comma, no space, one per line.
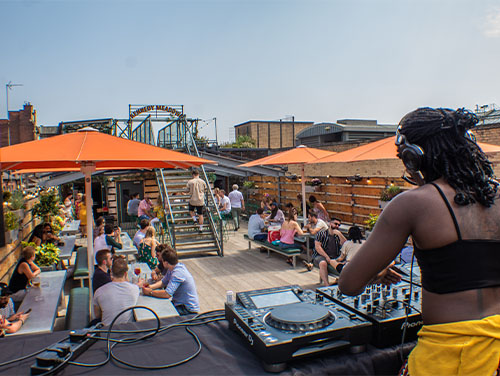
(381,149)
(299,155)
(86,151)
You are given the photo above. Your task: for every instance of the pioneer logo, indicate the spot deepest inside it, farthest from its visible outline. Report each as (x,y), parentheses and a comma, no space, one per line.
(411,324)
(242,331)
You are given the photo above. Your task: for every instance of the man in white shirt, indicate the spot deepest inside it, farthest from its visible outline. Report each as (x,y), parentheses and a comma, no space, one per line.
(197,188)
(114,297)
(225,203)
(237,205)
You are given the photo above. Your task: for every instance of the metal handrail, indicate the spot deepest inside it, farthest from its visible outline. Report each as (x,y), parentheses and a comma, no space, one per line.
(164,194)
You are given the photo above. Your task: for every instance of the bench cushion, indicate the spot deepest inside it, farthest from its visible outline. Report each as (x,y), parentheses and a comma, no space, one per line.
(78,313)
(81,263)
(288,251)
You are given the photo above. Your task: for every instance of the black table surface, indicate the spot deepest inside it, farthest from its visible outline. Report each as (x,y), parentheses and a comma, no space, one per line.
(223,353)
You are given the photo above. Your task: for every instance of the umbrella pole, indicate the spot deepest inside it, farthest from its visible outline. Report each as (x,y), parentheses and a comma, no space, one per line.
(87,170)
(304,207)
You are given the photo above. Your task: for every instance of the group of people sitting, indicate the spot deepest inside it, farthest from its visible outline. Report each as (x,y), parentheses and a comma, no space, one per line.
(113,292)
(330,247)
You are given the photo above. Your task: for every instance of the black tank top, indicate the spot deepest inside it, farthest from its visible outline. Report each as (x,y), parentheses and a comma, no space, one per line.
(461,265)
(18,281)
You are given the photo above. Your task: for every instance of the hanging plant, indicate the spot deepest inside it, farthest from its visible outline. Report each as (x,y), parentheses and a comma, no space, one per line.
(390,192)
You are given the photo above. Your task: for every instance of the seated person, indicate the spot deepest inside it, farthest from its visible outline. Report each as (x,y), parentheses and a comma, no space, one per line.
(256,226)
(102,269)
(225,203)
(99,224)
(177,284)
(147,248)
(314,224)
(326,248)
(139,235)
(349,248)
(24,272)
(265,204)
(158,273)
(110,239)
(288,230)
(43,234)
(114,297)
(276,217)
(12,320)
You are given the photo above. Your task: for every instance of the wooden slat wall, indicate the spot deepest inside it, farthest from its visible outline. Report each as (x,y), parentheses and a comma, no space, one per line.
(343,197)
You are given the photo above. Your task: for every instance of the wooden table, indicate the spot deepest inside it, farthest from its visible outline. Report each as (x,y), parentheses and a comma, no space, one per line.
(128,246)
(66,250)
(71,228)
(43,302)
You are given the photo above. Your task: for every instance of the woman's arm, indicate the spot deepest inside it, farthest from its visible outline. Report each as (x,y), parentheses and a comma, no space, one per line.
(320,206)
(389,235)
(25,269)
(299,230)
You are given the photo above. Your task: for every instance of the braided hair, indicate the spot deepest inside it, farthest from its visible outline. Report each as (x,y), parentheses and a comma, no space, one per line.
(450,152)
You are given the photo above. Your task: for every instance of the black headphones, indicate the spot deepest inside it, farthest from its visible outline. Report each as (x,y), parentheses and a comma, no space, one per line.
(412,155)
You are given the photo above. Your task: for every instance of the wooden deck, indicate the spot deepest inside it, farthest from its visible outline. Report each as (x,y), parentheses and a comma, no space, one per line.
(242,270)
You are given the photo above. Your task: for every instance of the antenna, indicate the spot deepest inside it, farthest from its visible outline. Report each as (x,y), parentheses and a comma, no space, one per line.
(8,87)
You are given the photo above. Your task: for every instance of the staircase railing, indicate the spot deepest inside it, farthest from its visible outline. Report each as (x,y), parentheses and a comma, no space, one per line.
(167,207)
(213,213)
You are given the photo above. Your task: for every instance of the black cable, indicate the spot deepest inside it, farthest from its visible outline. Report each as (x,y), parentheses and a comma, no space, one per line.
(405,324)
(21,358)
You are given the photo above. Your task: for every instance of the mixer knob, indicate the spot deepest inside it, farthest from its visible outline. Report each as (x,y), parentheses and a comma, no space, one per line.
(375,303)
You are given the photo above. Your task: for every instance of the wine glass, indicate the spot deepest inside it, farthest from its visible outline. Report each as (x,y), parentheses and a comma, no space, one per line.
(137,271)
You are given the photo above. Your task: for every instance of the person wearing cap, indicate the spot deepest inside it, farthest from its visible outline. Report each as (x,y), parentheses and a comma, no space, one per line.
(10,321)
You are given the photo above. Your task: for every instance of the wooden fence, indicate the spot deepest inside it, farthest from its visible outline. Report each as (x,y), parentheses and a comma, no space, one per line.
(347,198)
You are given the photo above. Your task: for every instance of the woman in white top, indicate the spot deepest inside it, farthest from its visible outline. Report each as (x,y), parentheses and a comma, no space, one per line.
(349,248)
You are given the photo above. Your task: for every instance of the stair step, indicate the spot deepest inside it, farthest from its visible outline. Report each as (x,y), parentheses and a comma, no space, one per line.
(183,242)
(195,234)
(180,211)
(177,177)
(179,226)
(187,251)
(176,172)
(180,190)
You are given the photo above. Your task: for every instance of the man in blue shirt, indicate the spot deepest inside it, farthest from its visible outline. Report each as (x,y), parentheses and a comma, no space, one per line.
(256,226)
(177,284)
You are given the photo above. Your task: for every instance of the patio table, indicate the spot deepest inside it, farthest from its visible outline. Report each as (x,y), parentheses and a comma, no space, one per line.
(128,246)
(71,228)
(43,302)
(66,250)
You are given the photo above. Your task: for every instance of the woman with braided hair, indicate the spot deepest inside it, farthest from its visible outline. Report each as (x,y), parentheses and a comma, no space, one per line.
(454,223)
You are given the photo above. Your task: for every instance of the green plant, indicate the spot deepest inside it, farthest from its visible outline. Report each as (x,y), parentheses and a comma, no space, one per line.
(211,177)
(370,222)
(390,192)
(48,206)
(11,221)
(244,142)
(248,184)
(46,254)
(17,200)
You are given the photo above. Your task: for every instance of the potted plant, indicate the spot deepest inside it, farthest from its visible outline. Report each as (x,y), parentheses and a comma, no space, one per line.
(46,255)
(313,185)
(17,204)
(11,223)
(388,194)
(250,186)
(370,223)
(212,177)
(47,207)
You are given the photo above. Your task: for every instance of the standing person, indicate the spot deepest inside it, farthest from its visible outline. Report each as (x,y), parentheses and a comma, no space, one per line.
(114,297)
(177,284)
(453,219)
(102,269)
(327,248)
(237,205)
(133,206)
(145,209)
(319,209)
(256,226)
(197,188)
(24,272)
(68,206)
(225,202)
(83,217)
(78,203)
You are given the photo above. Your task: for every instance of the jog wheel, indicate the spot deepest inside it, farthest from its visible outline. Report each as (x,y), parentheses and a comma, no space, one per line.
(300,317)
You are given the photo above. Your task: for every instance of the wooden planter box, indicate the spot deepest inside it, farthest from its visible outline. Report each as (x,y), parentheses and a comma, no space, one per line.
(11,236)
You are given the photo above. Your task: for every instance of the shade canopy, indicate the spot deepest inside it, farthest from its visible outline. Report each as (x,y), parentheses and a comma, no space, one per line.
(299,155)
(71,150)
(381,149)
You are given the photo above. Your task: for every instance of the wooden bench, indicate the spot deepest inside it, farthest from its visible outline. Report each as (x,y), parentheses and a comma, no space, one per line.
(289,252)
(81,265)
(78,313)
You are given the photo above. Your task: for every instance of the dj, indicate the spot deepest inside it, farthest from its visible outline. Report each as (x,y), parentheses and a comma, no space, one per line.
(453,220)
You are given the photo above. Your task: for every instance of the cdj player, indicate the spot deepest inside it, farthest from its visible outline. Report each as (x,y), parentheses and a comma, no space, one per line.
(284,323)
(386,307)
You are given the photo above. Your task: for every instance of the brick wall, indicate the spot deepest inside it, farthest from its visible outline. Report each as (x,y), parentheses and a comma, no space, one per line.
(20,127)
(267,134)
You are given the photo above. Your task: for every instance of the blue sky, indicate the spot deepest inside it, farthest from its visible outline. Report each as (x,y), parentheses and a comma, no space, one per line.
(240,60)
